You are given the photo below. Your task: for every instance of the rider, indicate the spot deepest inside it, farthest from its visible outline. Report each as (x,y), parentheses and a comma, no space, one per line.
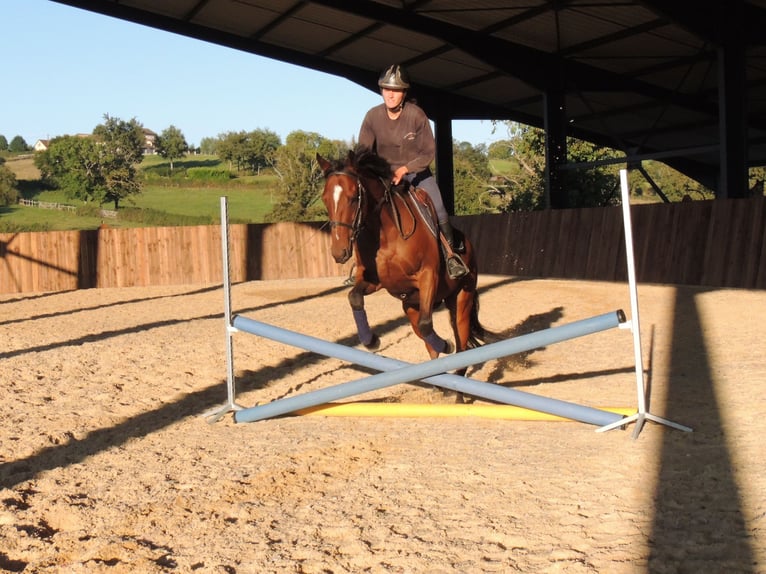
(398,130)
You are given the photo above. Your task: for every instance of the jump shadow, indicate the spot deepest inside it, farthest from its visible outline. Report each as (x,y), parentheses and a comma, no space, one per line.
(253,380)
(97,307)
(138,328)
(698,523)
(194,403)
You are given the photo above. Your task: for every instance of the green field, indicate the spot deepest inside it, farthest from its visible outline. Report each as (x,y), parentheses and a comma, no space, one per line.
(165,199)
(503,166)
(180,197)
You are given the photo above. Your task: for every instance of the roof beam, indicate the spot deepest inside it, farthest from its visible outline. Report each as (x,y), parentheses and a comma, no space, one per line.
(706,23)
(528,64)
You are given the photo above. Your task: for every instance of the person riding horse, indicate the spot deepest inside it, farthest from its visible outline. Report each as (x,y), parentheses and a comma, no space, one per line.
(398,130)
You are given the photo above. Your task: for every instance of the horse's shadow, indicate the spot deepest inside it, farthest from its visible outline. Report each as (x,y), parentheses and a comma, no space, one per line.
(254,380)
(531,324)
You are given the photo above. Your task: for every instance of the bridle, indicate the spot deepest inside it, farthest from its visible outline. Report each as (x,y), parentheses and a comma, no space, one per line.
(357,223)
(361,196)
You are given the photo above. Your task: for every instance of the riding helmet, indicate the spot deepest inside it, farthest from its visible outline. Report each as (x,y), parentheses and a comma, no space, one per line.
(395,77)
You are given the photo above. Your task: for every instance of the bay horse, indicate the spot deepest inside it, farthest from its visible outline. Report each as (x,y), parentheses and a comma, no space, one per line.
(397,249)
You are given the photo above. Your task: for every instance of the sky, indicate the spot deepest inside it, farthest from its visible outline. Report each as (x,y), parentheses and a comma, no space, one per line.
(64,68)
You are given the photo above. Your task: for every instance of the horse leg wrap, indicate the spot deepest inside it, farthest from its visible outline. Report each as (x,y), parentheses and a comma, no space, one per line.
(362,326)
(437,343)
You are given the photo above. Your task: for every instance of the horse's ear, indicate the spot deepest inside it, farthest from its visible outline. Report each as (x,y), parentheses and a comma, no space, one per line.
(323,163)
(350,157)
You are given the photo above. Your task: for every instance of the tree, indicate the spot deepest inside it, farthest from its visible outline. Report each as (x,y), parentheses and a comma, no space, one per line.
(98,168)
(3,143)
(121,147)
(260,148)
(671,185)
(471,178)
(300,178)
(171,144)
(8,191)
(18,145)
(208,146)
(248,150)
(524,188)
(757,181)
(500,149)
(229,147)
(71,163)
(592,186)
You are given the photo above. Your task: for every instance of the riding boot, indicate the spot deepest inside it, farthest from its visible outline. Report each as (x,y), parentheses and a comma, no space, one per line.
(449,235)
(456,268)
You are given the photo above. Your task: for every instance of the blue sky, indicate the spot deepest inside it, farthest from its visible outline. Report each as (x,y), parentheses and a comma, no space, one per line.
(64,68)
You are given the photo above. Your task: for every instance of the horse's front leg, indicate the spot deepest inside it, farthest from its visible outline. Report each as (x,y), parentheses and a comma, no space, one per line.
(356,299)
(423,326)
(421,319)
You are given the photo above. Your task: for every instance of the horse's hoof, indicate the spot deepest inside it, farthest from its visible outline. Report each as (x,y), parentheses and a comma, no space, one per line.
(374,343)
(449,348)
(462,399)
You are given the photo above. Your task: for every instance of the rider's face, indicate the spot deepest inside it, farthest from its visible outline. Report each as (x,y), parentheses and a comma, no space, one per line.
(392,98)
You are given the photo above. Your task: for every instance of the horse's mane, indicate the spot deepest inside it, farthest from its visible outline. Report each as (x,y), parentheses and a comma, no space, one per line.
(367,161)
(363,161)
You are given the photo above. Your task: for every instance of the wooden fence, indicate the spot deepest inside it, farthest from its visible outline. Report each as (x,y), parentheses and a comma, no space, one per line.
(719,243)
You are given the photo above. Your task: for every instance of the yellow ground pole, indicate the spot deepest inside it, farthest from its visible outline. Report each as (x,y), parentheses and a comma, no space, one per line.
(435,411)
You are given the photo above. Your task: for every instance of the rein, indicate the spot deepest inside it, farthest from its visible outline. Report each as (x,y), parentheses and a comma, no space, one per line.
(396,216)
(357,223)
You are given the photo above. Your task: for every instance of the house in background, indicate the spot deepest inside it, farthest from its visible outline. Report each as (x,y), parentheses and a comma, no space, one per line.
(41,145)
(150,142)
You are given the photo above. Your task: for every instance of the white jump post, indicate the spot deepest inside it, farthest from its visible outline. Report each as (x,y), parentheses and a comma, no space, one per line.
(230,406)
(634,325)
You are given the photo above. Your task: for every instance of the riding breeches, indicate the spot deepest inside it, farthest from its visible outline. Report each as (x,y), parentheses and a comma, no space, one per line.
(430,186)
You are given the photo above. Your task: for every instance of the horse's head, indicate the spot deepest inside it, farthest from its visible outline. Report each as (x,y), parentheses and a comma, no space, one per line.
(344,198)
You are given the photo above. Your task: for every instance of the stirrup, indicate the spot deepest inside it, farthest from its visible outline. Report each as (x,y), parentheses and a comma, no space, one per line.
(456,268)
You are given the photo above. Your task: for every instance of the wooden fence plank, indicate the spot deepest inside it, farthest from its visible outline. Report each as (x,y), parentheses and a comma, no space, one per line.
(755,275)
(719,243)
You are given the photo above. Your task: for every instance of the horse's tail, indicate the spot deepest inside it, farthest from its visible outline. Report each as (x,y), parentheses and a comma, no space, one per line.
(479,335)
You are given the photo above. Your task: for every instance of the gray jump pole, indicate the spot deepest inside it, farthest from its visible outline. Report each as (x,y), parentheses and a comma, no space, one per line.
(396,372)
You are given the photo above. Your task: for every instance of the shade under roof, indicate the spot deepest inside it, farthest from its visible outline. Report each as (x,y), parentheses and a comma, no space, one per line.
(681,80)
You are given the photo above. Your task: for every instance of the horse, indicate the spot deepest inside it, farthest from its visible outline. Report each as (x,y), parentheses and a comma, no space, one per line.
(393,235)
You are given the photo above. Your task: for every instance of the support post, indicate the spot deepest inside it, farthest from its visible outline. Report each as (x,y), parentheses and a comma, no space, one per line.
(634,324)
(216,414)
(555,145)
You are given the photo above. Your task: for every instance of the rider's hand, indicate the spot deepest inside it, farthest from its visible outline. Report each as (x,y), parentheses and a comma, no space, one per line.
(399,174)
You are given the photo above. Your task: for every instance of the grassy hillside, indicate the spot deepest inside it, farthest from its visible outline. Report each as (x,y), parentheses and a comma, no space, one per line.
(180,197)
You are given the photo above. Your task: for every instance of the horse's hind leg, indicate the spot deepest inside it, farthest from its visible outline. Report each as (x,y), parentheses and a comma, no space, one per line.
(460,306)
(356,299)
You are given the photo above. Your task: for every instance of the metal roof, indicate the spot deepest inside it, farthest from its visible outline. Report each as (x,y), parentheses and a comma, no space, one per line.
(682,80)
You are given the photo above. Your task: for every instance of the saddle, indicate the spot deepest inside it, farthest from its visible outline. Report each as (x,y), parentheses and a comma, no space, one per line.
(422,204)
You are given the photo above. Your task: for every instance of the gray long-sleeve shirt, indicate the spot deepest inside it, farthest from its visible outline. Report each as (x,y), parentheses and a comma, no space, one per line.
(407,140)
